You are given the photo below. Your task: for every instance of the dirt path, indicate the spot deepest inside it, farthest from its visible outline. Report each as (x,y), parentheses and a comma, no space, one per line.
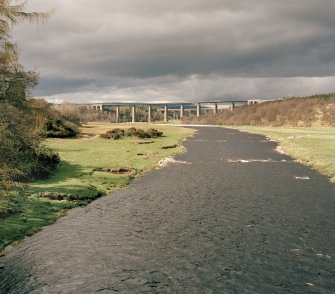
(220,224)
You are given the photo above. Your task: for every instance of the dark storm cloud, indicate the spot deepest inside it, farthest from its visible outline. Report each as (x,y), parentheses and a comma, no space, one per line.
(181,49)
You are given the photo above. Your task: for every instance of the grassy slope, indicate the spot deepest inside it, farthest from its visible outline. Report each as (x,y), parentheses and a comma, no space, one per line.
(318,111)
(312,146)
(75,176)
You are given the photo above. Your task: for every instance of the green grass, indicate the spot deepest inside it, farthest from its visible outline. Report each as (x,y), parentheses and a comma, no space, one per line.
(35,213)
(76,176)
(80,156)
(314,147)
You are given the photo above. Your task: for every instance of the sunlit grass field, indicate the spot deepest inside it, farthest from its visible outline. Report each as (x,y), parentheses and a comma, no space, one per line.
(315,147)
(81,156)
(76,176)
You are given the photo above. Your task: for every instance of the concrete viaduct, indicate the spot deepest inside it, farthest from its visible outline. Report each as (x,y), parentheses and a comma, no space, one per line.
(181,108)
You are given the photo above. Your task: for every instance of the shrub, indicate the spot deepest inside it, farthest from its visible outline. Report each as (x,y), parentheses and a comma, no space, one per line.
(117,133)
(114,134)
(130,132)
(139,133)
(46,162)
(154,133)
(57,128)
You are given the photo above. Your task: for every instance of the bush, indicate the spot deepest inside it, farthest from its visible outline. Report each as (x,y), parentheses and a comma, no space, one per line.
(130,132)
(139,133)
(37,165)
(154,133)
(57,128)
(114,134)
(117,133)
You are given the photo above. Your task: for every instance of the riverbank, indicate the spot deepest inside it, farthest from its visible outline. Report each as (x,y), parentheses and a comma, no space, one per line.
(86,173)
(314,147)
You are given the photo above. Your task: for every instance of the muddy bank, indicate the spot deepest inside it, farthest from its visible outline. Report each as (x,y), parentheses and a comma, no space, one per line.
(239,218)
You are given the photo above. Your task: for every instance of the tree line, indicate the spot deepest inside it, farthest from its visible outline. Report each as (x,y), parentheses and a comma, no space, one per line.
(24,122)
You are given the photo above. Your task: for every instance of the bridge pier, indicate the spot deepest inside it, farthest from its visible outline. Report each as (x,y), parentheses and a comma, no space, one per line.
(166,109)
(117,114)
(149,113)
(198,109)
(181,111)
(133,114)
(215,108)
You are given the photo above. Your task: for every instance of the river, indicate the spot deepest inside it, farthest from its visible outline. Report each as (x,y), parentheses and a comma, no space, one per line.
(233,217)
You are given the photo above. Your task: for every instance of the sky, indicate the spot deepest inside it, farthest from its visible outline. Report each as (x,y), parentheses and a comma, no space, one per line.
(189,50)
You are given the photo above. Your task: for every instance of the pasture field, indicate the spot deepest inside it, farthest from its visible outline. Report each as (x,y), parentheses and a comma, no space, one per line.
(84,174)
(314,147)
(80,157)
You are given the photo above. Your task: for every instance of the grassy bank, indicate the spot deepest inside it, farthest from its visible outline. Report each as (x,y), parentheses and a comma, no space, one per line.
(314,147)
(77,181)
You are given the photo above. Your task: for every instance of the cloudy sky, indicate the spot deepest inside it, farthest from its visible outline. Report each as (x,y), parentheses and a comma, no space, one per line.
(155,50)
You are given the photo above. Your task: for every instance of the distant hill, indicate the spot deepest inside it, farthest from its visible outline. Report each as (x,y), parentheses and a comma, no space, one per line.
(317,111)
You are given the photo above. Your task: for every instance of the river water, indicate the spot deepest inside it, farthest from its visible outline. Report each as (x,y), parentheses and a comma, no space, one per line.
(216,223)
